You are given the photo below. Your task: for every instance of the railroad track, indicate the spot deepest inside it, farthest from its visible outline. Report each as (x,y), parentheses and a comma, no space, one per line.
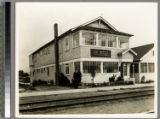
(44,102)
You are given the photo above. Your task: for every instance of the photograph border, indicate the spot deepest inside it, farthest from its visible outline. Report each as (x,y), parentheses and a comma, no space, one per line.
(14,46)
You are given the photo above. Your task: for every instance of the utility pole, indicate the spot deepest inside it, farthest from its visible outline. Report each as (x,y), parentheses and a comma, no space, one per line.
(56,53)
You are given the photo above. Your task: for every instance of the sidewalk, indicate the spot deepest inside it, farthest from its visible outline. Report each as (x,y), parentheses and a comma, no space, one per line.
(45,93)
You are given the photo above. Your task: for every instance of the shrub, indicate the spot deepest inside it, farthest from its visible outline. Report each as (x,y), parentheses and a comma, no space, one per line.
(63,80)
(24,79)
(112,78)
(76,79)
(32,88)
(41,82)
(130,82)
(150,81)
(34,83)
(120,79)
(51,82)
(104,84)
(143,79)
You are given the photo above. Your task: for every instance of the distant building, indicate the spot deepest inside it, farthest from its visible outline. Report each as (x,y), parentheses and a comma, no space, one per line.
(93,44)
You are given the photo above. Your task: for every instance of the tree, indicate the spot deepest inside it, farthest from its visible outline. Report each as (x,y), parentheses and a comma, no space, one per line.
(76,79)
(24,76)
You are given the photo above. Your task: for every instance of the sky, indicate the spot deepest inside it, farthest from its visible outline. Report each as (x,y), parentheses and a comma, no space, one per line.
(35,21)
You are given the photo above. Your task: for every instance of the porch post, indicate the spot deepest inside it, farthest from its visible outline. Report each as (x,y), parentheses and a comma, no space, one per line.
(81,67)
(101,67)
(80,37)
(139,66)
(97,43)
(117,43)
(128,69)
(133,70)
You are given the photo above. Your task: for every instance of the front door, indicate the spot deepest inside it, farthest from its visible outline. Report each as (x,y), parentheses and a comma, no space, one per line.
(125,70)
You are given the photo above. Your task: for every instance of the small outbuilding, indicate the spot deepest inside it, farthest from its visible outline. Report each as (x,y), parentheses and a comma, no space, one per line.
(143,63)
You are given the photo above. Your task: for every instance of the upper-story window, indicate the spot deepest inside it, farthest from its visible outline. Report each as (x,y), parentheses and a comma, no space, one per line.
(66,44)
(103,41)
(89,38)
(75,40)
(111,41)
(123,42)
(107,40)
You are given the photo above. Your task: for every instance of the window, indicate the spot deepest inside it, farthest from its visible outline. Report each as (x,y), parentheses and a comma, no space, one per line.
(38,70)
(103,40)
(33,72)
(106,40)
(151,67)
(134,67)
(77,66)
(123,42)
(125,70)
(89,38)
(110,67)
(111,41)
(47,71)
(143,67)
(90,66)
(66,44)
(67,68)
(75,39)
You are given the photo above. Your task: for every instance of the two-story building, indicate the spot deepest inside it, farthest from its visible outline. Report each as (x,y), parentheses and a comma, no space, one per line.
(93,44)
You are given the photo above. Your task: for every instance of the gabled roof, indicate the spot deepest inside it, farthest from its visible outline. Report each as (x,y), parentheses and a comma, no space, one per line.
(125,51)
(142,50)
(98,19)
(86,26)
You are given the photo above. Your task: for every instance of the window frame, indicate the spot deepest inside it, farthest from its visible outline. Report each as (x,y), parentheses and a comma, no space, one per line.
(67,47)
(149,67)
(73,45)
(88,72)
(67,66)
(146,69)
(84,39)
(113,66)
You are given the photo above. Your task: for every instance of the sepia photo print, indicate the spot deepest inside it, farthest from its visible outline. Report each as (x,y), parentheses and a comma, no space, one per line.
(86,59)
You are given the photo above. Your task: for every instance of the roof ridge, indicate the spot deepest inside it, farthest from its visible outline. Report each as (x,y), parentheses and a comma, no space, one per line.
(143,45)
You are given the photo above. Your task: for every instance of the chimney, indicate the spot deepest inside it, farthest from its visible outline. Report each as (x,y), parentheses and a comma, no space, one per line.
(56,54)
